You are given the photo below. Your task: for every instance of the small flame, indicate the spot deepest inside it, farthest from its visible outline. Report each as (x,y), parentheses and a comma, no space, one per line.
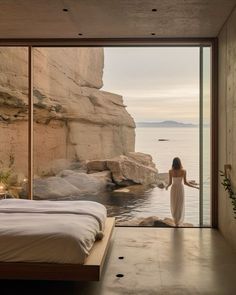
(2,188)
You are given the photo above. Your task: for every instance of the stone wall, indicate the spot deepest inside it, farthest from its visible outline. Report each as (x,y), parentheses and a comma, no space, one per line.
(227,122)
(73,118)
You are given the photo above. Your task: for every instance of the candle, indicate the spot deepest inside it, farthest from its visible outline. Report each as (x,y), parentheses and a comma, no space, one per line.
(2,188)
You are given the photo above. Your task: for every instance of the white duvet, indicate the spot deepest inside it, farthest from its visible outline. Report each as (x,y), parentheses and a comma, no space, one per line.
(49,231)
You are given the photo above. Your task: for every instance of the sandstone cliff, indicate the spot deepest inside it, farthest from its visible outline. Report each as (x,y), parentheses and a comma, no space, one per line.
(73,118)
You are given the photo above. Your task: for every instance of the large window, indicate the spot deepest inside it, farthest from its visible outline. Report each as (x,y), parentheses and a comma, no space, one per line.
(107,123)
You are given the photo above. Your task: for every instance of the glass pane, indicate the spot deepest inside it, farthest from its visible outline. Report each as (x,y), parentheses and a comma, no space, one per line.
(206,136)
(160,87)
(13,122)
(51,90)
(67,121)
(86,104)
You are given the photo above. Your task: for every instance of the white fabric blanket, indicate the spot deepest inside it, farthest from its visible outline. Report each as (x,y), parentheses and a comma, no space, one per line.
(49,231)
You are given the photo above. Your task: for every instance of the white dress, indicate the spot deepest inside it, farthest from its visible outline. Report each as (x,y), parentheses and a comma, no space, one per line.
(177,200)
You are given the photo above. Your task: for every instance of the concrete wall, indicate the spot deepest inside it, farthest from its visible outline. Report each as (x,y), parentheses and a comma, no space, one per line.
(227,122)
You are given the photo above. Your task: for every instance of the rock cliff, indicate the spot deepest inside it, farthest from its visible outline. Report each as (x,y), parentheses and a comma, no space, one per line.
(73,118)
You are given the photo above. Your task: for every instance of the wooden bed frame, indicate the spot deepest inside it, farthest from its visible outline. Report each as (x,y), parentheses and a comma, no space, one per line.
(89,271)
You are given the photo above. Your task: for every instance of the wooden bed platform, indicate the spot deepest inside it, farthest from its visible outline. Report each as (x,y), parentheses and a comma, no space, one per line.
(89,271)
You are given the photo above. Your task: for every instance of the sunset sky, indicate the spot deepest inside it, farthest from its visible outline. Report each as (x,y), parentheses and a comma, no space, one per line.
(157,83)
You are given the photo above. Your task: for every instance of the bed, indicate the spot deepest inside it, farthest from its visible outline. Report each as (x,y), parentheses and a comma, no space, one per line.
(60,240)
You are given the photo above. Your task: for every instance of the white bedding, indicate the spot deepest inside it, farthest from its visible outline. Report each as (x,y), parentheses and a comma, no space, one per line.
(49,231)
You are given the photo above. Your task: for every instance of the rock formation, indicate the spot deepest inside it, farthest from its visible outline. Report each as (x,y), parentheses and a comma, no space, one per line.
(69,184)
(153,221)
(73,118)
(133,168)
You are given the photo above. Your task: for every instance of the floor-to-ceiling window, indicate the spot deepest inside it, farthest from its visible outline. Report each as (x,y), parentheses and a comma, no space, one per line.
(80,117)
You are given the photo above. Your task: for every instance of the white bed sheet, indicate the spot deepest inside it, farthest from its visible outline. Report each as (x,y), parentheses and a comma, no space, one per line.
(49,231)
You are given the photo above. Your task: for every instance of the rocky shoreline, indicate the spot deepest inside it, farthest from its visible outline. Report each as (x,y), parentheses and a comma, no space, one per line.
(153,221)
(96,176)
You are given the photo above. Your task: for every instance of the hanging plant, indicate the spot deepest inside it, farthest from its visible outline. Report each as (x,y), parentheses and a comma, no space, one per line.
(226,182)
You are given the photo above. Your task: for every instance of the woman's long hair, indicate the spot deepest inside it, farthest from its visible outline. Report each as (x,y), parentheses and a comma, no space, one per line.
(176,164)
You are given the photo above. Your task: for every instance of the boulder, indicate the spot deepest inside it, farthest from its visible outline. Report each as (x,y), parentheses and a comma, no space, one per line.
(69,184)
(152,221)
(104,176)
(135,168)
(127,171)
(59,165)
(96,165)
(142,158)
(161,184)
(149,221)
(54,188)
(87,183)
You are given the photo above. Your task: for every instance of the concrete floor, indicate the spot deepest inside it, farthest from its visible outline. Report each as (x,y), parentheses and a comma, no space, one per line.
(155,261)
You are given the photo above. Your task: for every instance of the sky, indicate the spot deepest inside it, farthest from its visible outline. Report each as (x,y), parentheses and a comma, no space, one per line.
(157,83)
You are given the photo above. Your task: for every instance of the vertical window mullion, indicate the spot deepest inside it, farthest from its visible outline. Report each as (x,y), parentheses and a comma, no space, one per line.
(30,122)
(201,136)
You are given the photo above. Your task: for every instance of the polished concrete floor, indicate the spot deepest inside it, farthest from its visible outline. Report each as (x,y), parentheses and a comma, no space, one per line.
(149,261)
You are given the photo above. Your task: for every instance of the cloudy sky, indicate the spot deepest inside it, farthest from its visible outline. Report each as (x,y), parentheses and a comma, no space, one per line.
(157,83)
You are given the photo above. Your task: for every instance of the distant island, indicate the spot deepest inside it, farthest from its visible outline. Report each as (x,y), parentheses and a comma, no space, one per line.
(166,124)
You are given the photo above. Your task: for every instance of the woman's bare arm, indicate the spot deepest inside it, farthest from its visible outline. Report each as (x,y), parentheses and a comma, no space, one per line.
(170,180)
(187,183)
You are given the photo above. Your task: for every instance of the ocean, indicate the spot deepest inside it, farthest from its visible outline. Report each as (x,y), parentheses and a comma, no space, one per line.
(181,142)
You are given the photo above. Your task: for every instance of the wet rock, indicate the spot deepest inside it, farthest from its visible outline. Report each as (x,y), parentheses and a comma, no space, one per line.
(121,190)
(135,168)
(161,184)
(126,171)
(149,221)
(103,175)
(161,223)
(69,184)
(105,178)
(152,221)
(87,183)
(54,188)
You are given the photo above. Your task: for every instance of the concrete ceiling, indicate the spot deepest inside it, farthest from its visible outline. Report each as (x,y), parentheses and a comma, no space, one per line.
(112,18)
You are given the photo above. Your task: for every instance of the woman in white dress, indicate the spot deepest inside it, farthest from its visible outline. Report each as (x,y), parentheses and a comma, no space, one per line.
(177,179)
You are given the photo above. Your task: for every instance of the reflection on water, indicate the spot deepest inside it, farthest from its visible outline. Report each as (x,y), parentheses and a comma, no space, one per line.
(153,202)
(183,142)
